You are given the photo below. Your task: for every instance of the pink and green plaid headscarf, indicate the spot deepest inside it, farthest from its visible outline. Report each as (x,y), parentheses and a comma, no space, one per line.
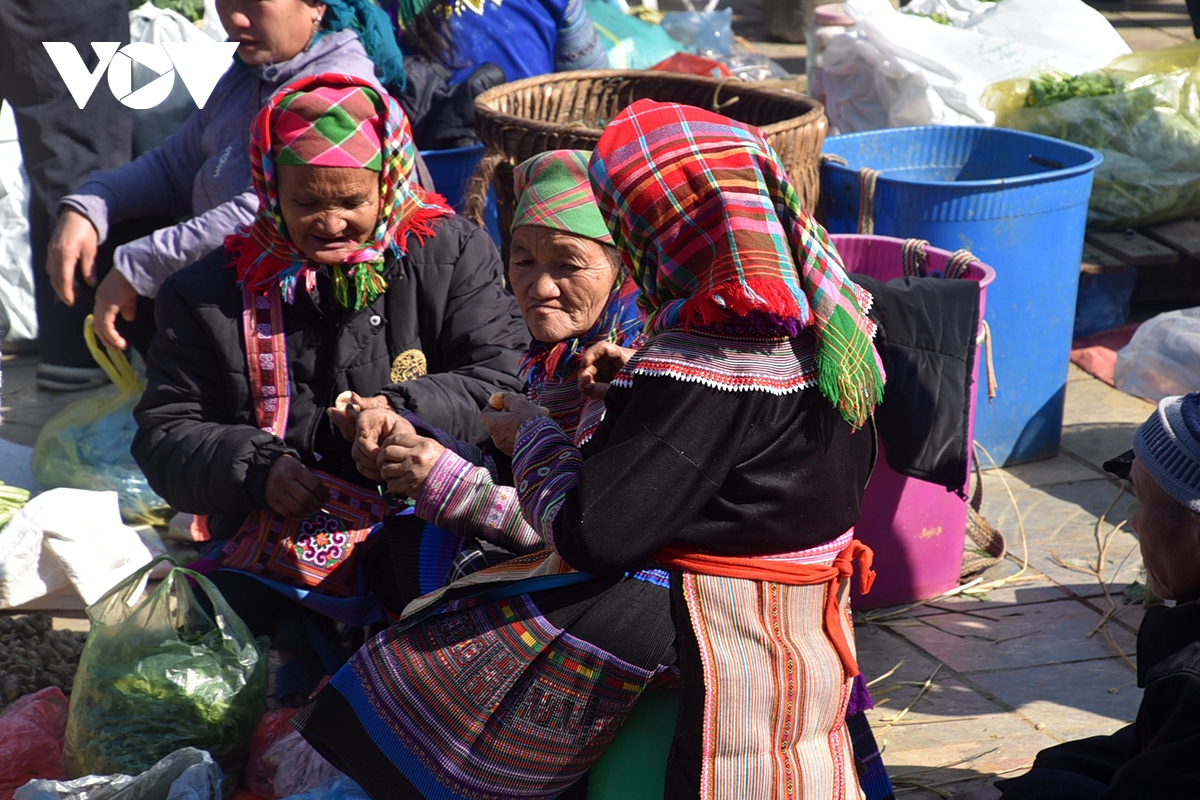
(712,230)
(340,121)
(553,191)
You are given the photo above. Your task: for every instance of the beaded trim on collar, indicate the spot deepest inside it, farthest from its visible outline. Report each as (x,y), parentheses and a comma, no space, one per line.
(779,365)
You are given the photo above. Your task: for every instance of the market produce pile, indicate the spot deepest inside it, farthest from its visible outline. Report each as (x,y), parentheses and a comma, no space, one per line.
(1141,112)
(33,656)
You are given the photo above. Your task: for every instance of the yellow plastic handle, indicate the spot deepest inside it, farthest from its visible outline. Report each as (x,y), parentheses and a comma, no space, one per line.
(114,362)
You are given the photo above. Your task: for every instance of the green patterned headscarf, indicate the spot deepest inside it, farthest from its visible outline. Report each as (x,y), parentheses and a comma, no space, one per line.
(554,191)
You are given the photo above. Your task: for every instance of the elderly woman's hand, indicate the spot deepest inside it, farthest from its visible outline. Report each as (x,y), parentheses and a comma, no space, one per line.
(346,408)
(292,490)
(504,424)
(373,427)
(599,364)
(405,461)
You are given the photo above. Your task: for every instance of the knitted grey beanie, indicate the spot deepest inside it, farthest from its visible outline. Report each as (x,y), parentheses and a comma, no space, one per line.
(1168,447)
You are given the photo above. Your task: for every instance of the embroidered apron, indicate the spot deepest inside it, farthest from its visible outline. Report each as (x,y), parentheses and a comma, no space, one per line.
(317,552)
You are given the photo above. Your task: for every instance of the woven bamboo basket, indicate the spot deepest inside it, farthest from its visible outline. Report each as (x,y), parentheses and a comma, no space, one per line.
(569,110)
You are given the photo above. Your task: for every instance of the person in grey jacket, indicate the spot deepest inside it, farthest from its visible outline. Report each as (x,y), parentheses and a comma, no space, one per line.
(200,176)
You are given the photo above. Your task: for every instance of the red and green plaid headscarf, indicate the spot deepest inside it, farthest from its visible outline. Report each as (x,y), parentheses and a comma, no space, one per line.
(712,230)
(343,121)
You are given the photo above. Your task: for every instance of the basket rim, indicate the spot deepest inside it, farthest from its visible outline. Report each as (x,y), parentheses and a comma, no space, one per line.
(485,102)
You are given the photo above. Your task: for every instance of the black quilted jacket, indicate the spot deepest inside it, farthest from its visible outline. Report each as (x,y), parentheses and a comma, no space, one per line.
(198,442)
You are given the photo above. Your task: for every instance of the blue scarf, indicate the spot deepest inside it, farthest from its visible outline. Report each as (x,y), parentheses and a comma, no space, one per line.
(375,31)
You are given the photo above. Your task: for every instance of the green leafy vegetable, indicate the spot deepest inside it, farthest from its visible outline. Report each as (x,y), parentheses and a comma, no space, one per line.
(1050,89)
(192,9)
(938,17)
(162,675)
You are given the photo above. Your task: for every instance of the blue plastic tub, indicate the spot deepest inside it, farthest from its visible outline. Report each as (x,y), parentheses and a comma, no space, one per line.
(1018,201)
(452,170)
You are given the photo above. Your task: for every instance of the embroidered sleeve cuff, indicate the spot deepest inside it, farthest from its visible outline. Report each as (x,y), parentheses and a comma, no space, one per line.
(465,499)
(546,466)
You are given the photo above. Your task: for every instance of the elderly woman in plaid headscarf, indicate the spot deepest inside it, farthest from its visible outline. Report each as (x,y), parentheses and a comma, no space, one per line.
(352,281)
(729,466)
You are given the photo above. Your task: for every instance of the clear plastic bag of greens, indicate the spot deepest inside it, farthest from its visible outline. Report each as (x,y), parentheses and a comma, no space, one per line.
(158,673)
(1142,111)
(86,445)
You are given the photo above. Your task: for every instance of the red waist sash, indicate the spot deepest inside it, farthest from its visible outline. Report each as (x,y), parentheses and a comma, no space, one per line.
(792,574)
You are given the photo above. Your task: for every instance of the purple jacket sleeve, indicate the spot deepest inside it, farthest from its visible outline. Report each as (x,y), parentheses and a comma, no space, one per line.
(149,261)
(156,183)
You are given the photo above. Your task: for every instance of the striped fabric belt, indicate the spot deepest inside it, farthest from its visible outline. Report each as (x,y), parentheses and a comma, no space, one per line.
(776,569)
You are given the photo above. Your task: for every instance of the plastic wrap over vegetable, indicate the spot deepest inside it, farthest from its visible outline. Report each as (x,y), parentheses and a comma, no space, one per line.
(86,445)
(160,674)
(187,774)
(1142,111)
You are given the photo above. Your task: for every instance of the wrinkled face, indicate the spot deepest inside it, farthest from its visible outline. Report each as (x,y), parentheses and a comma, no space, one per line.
(270,31)
(329,211)
(1169,536)
(562,281)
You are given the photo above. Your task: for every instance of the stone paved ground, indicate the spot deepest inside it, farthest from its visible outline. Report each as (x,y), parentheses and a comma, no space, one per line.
(971,686)
(1044,654)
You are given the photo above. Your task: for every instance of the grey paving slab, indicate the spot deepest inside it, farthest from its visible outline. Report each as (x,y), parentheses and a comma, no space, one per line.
(1061,469)
(949,711)
(24,408)
(1070,701)
(1018,636)
(1060,522)
(955,766)
(1026,592)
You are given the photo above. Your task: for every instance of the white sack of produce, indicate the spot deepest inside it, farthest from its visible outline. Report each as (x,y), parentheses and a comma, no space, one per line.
(1163,357)
(895,69)
(65,549)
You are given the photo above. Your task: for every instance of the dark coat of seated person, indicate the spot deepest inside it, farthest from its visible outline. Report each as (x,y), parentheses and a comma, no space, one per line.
(1155,757)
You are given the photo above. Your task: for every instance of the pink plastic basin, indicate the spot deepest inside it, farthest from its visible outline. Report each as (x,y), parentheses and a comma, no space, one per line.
(916,528)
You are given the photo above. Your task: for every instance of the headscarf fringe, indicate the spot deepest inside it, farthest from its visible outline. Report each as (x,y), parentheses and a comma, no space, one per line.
(853,391)
(731,302)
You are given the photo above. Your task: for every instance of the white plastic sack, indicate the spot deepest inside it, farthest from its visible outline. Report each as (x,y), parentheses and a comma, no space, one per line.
(149,23)
(1163,357)
(211,24)
(894,69)
(186,774)
(16,269)
(65,549)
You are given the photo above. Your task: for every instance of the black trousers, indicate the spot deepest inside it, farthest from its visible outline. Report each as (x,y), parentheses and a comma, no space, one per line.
(61,144)
(1193,7)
